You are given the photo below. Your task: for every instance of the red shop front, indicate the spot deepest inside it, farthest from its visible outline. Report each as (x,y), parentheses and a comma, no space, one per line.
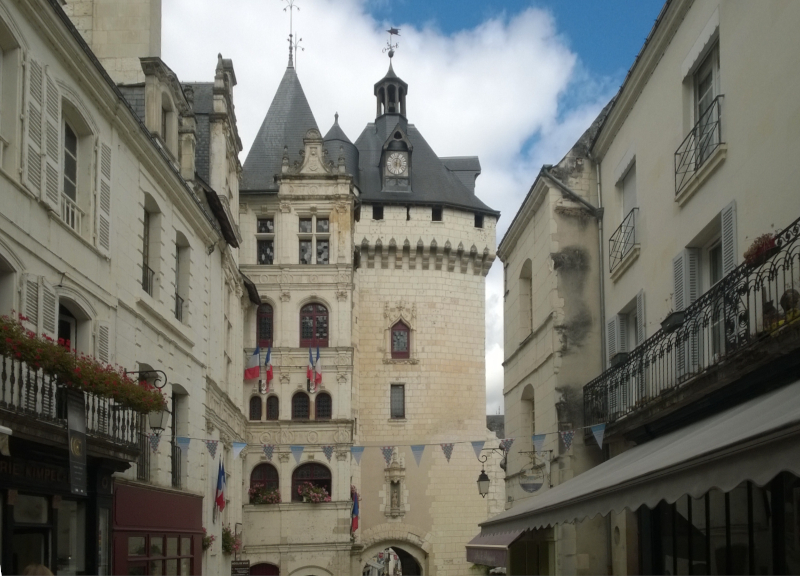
(156,531)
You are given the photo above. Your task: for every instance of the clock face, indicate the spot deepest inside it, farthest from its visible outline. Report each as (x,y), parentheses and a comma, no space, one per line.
(396,163)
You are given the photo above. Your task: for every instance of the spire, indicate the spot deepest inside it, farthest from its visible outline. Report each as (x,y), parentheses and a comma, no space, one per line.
(294,45)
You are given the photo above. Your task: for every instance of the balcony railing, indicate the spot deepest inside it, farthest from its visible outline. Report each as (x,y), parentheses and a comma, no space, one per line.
(178,308)
(70,213)
(31,393)
(749,305)
(698,145)
(622,240)
(175,457)
(148,279)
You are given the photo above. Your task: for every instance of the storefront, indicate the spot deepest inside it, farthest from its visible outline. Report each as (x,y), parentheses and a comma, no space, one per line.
(156,531)
(43,522)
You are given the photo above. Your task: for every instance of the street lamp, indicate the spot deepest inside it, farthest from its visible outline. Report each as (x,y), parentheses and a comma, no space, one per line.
(483,483)
(157,419)
(483,478)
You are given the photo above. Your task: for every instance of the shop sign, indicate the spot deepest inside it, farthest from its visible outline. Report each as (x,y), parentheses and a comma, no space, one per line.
(240,567)
(76,428)
(18,472)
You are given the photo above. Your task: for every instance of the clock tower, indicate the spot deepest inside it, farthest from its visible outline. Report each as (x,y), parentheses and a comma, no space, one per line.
(390,93)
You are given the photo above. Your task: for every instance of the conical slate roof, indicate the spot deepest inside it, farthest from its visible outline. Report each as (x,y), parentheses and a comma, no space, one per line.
(288,119)
(337,142)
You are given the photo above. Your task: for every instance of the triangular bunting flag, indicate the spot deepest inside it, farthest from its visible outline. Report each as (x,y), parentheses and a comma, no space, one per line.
(566,437)
(478,446)
(269,449)
(183,443)
(328,451)
(297,452)
(598,430)
(448,450)
(417,451)
(505,444)
(212,447)
(387,453)
(237,448)
(154,440)
(538,442)
(357,451)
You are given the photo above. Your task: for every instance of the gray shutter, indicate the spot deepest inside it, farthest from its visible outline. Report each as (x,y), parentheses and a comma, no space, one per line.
(622,333)
(32,175)
(640,323)
(30,299)
(729,238)
(611,338)
(678,282)
(103,342)
(51,194)
(103,206)
(49,310)
(692,273)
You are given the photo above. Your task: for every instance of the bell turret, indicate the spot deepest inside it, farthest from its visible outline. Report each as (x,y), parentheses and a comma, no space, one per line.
(390,93)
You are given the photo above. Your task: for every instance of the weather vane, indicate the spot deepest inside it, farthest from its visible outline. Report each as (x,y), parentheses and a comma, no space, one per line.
(389,46)
(294,45)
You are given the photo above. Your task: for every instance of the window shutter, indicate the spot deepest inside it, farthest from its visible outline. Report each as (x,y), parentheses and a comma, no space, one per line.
(33,134)
(678,282)
(611,339)
(729,238)
(622,333)
(49,324)
(640,323)
(104,342)
(51,193)
(30,300)
(103,206)
(686,269)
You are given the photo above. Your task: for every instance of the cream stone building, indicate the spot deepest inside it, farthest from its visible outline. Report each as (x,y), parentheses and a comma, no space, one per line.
(698,387)
(117,234)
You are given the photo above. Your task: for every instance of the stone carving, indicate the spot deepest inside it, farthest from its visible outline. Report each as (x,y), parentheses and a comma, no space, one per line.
(283,457)
(285,296)
(341,295)
(313,437)
(285,206)
(342,455)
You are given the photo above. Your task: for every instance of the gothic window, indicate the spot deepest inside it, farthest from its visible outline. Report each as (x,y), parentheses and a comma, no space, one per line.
(273,408)
(264,475)
(300,406)
(264,325)
(323,407)
(314,326)
(316,474)
(255,408)
(401,340)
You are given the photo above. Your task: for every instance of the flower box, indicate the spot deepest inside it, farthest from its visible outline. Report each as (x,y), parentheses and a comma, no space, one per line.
(673,321)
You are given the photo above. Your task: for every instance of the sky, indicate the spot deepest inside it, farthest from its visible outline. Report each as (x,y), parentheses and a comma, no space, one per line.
(515,82)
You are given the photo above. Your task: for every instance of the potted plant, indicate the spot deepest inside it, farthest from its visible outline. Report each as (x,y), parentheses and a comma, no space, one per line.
(208,540)
(762,248)
(264,495)
(311,493)
(231,542)
(673,321)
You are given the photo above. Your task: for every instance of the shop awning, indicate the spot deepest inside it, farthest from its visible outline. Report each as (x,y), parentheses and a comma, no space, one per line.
(491,549)
(752,441)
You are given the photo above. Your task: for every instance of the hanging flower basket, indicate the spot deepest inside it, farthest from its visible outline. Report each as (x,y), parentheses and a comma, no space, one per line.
(311,493)
(208,540)
(761,250)
(231,543)
(264,495)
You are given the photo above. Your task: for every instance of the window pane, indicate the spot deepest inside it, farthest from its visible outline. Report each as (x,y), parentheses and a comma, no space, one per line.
(136,546)
(172,567)
(322,251)
(305,225)
(266,252)
(398,401)
(305,251)
(400,341)
(186,546)
(70,167)
(307,327)
(300,407)
(272,408)
(30,509)
(322,328)
(323,407)
(70,140)
(71,537)
(322,225)
(156,545)
(156,568)
(264,325)
(255,408)
(137,570)
(266,226)
(186,565)
(172,546)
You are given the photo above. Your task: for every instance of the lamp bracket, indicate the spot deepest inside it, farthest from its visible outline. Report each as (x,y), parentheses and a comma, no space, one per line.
(156,380)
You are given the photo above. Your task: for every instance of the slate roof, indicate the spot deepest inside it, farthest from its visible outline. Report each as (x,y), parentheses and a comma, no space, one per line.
(431,181)
(288,119)
(336,139)
(134,94)
(203,106)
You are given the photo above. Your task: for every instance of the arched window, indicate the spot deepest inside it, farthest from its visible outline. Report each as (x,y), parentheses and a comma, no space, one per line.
(273,408)
(264,326)
(323,407)
(255,408)
(264,475)
(525,301)
(300,406)
(401,340)
(314,326)
(317,474)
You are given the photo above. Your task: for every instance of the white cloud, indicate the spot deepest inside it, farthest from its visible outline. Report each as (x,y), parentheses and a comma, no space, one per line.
(492,91)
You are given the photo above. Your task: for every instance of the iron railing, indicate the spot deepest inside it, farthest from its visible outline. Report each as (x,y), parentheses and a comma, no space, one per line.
(622,240)
(175,457)
(70,213)
(143,461)
(753,302)
(27,391)
(178,308)
(698,145)
(148,279)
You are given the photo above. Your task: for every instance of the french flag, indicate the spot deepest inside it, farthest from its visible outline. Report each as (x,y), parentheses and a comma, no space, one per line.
(253,368)
(220,498)
(310,370)
(268,364)
(354,513)
(317,372)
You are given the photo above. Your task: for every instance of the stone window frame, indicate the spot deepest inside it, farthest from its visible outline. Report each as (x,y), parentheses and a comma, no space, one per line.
(328,409)
(314,341)
(409,320)
(273,401)
(255,401)
(296,415)
(271,477)
(400,326)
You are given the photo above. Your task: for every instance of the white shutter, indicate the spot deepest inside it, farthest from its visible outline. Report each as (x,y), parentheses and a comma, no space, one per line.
(640,323)
(52,146)
(611,339)
(103,201)
(30,300)
(32,175)
(729,238)
(678,282)
(49,325)
(103,342)
(622,333)
(686,275)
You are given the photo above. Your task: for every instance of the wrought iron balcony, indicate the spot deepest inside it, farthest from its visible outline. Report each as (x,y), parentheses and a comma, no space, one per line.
(702,140)
(32,397)
(178,308)
(148,279)
(755,305)
(622,240)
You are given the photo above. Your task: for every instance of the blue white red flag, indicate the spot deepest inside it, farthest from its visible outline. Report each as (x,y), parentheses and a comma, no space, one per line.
(317,372)
(220,498)
(268,364)
(253,368)
(310,370)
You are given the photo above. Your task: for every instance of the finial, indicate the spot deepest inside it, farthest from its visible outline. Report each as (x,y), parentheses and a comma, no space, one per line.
(389,46)
(336,118)
(293,44)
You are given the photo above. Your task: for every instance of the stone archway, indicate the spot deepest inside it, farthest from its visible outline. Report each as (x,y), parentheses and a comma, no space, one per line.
(412,560)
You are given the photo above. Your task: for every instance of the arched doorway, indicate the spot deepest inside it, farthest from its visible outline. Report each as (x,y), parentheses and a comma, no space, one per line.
(264,569)
(392,561)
